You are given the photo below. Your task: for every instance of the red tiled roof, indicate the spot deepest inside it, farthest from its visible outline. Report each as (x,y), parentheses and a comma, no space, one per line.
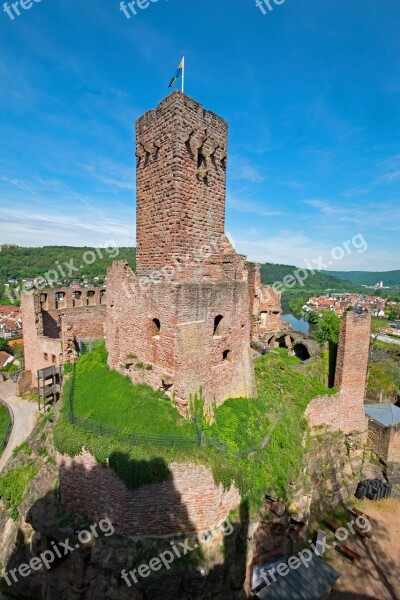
(4,357)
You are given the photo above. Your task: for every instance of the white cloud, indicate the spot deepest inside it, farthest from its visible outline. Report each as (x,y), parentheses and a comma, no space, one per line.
(247,206)
(293,248)
(240,167)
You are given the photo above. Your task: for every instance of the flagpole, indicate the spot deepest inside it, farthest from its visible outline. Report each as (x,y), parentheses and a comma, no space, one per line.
(183,75)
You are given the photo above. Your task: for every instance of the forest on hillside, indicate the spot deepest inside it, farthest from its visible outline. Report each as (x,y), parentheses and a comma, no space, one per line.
(17,262)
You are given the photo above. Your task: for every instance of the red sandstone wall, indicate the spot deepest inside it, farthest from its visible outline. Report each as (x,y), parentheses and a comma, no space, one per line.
(394,444)
(185,354)
(189,501)
(379,439)
(39,351)
(180,202)
(345,411)
(46,327)
(199,354)
(88,321)
(265,306)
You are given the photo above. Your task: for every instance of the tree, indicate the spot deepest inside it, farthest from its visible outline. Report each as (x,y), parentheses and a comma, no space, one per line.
(5,346)
(327,327)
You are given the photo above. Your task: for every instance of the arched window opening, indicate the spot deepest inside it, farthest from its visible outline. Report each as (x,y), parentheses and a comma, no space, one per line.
(217,325)
(301,351)
(155,328)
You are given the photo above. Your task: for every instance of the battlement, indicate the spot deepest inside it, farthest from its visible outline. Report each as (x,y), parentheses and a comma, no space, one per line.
(65,297)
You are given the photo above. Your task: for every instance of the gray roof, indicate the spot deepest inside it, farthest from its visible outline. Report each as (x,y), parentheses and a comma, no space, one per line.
(384,413)
(309,582)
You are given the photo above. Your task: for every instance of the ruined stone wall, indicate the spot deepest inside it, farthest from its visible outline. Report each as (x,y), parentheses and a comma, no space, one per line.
(54,318)
(345,410)
(188,501)
(335,465)
(181,184)
(265,306)
(185,353)
(394,444)
(40,351)
(225,369)
(352,365)
(385,443)
(379,439)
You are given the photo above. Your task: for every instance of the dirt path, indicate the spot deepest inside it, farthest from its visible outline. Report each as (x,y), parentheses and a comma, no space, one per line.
(24,418)
(376,576)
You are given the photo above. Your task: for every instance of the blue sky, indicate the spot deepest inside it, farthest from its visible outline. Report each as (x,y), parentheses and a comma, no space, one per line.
(311,91)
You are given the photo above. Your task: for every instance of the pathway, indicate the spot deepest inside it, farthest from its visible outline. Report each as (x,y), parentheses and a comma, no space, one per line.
(24,418)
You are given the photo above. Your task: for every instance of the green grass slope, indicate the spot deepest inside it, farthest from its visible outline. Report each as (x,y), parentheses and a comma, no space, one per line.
(261,441)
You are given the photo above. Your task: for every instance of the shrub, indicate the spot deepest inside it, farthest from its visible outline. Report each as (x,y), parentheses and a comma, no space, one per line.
(13,485)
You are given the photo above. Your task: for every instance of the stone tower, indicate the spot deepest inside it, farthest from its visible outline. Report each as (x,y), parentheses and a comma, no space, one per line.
(181,185)
(185,316)
(352,366)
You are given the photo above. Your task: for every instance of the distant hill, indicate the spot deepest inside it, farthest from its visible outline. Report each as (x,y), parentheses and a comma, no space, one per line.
(317,282)
(389,278)
(17,262)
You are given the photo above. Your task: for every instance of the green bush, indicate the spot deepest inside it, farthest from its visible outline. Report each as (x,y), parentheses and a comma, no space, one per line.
(5,424)
(13,485)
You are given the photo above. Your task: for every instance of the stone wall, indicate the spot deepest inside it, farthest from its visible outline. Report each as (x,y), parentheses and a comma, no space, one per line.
(188,501)
(352,365)
(265,306)
(345,411)
(379,439)
(181,183)
(334,466)
(53,319)
(394,444)
(40,351)
(385,443)
(182,352)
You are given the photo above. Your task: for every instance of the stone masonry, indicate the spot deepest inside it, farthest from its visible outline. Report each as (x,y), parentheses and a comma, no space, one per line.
(265,307)
(345,410)
(53,319)
(188,501)
(185,320)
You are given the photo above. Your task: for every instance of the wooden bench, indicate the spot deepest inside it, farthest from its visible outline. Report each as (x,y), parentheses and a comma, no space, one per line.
(349,553)
(332,524)
(361,533)
(359,513)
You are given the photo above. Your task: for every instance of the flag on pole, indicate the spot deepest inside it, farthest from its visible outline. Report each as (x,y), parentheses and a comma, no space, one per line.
(179,72)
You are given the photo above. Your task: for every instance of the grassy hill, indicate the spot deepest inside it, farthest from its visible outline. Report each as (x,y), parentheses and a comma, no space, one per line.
(21,262)
(389,278)
(17,262)
(317,282)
